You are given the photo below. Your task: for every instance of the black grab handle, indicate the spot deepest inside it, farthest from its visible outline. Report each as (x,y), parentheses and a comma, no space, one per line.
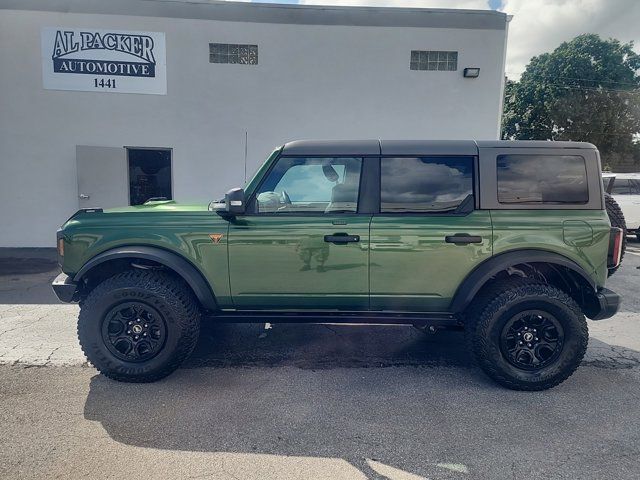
(463,238)
(341,238)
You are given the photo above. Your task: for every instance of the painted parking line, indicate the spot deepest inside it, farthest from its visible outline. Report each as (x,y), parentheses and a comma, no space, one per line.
(633,249)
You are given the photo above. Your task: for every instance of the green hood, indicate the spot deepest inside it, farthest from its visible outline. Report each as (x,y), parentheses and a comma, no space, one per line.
(161,206)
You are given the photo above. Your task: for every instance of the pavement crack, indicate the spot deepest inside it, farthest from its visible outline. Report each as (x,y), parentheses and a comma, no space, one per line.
(48,360)
(27,325)
(328,327)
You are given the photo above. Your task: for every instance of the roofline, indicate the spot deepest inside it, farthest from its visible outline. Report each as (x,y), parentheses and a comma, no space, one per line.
(275,13)
(416,147)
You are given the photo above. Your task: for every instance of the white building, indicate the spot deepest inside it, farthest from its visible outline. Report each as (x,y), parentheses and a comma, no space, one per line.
(217,86)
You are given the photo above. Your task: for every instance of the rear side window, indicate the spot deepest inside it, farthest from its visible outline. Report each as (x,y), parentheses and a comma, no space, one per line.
(542,179)
(425,184)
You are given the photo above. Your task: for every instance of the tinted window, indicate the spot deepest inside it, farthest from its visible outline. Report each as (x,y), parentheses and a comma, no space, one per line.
(620,186)
(316,185)
(425,184)
(528,179)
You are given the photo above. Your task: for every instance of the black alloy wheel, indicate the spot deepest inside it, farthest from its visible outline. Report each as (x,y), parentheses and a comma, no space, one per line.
(134,331)
(532,339)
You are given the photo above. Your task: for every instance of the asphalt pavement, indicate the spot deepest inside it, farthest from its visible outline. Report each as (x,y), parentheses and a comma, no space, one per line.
(310,401)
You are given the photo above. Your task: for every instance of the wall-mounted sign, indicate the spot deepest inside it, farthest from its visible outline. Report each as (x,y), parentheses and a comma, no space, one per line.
(104,60)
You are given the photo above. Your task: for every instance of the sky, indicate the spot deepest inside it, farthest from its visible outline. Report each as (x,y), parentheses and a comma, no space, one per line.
(538,26)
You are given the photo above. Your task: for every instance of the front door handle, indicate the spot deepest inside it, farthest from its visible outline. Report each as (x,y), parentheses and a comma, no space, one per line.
(463,238)
(341,238)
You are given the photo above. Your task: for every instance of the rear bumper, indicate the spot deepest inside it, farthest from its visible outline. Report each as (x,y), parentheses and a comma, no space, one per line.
(64,288)
(608,305)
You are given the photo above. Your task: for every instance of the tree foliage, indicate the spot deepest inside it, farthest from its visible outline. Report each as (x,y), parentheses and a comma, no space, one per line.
(587,89)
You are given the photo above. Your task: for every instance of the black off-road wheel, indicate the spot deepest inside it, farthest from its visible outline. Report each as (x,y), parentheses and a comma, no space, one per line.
(529,337)
(616,218)
(139,325)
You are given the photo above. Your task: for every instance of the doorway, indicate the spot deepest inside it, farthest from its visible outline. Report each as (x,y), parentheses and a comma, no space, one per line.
(150,174)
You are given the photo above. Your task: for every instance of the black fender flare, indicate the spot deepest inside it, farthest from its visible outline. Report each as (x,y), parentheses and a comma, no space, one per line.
(472,284)
(174,261)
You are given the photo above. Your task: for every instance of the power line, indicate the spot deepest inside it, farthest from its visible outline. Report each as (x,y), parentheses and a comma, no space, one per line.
(610,134)
(592,89)
(587,79)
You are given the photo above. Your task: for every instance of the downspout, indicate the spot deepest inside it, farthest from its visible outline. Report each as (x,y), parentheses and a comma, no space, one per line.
(504,76)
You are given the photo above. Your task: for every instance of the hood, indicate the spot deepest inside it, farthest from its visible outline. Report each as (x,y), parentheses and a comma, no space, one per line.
(160,206)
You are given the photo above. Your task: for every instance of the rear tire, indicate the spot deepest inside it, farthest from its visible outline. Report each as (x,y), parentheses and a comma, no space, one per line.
(139,325)
(530,337)
(616,218)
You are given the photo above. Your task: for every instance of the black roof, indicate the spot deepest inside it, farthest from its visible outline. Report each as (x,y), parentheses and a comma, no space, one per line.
(414,147)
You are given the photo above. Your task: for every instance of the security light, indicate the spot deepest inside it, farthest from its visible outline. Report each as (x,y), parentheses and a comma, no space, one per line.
(473,72)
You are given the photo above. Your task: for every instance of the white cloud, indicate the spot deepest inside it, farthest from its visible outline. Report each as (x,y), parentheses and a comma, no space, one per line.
(539,26)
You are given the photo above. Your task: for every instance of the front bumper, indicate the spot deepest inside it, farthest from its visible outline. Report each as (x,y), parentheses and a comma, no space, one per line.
(64,288)
(608,304)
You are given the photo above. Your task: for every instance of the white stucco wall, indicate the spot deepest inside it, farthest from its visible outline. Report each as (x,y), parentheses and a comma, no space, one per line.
(312,81)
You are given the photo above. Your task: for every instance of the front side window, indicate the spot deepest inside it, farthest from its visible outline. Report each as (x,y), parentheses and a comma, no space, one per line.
(542,179)
(311,185)
(425,184)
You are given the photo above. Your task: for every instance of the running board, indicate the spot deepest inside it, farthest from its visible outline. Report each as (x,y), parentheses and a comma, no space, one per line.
(378,318)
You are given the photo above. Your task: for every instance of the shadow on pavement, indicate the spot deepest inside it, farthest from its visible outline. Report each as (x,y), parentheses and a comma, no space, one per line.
(421,420)
(312,346)
(357,413)
(26,275)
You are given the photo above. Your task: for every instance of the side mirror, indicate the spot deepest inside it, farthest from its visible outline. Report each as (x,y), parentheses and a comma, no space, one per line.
(234,203)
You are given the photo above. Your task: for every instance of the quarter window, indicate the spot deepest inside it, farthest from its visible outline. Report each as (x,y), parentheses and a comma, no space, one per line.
(425,184)
(311,185)
(541,179)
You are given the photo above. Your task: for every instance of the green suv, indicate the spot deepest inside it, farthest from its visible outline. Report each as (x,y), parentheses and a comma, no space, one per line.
(509,241)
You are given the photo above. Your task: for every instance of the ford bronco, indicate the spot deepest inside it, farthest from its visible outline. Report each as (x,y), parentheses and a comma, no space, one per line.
(507,240)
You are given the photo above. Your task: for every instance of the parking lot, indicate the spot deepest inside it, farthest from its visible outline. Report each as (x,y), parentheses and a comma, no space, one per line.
(307,401)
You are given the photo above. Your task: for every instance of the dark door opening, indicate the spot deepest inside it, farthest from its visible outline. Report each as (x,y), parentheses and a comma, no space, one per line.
(149,174)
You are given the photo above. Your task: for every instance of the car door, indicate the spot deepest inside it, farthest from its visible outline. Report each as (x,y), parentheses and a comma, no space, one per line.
(428,235)
(303,243)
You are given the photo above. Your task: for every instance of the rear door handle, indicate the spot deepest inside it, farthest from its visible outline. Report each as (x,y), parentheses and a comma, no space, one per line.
(463,238)
(341,238)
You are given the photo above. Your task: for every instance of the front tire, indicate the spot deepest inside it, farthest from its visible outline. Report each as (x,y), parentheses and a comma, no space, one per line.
(530,337)
(139,325)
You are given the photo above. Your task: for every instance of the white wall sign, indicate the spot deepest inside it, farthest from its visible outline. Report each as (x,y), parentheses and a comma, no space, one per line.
(104,60)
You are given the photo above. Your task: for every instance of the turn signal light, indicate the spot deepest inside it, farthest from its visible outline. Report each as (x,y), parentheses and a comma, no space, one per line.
(60,247)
